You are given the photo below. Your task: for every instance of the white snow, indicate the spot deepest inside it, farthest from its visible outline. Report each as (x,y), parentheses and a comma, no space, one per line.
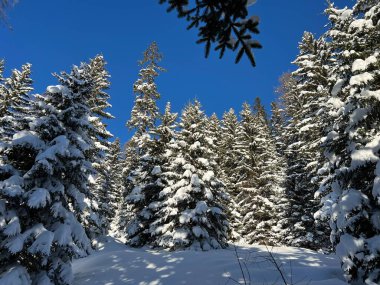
(361,79)
(201,207)
(13,228)
(43,243)
(57,89)
(360,25)
(58,147)
(27,138)
(361,65)
(345,13)
(156,170)
(198,231)
(208,176)
(349,201)
(15,276)
(118,264)
(337,87)
(371,94)
(195,181)
(195,146)
(39,197)
(366,154)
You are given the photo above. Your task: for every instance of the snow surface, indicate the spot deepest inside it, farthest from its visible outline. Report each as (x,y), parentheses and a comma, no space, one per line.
(116,264)
(361,65)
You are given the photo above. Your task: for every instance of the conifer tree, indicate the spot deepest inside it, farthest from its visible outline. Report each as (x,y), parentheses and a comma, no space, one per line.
(144,197)
(95,81)
(99,104)
(95,75)
(352,145)
(143,118)
(44,194)
(244,147)
(229,159)
(124,215)
(228,154)
(213,133)
(243,162)
(303,133)
(145,110)
(114,164)
(190,211)
(108,186)
(1,70)
(16,108)
(264,188)
(277,124)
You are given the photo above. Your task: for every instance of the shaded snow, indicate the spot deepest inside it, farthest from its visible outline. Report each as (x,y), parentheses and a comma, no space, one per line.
(118,264)
(337,87)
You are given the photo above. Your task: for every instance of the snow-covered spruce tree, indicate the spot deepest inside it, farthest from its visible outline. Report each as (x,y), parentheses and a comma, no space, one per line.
(45,207)
(303,133)
(145,110)
(190,211)
(129,161)
(93,79)
(1,70)
(353,145)
(144,198)
(227,148)
(96,78)
(243,163)
(264,188)
(108,187)
(95,73)
(229,158)
(222,141)
(277,124)
(95,70)
(16,108)
(281,201)
(287,97)
(244,146)
(143,118)
(114,164)
(214,135)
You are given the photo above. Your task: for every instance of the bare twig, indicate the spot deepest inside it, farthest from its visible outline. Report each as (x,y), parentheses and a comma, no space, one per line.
(277,266)
(241,268)
(4,6)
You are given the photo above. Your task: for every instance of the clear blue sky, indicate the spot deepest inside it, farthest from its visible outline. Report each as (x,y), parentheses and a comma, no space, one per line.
(53,35)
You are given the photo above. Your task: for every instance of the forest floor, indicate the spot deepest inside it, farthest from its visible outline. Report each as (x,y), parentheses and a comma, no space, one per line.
(117,264)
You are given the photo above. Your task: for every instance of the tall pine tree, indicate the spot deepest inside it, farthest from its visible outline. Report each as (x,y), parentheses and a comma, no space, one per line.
(44,195)
(303,133)
(229,160)
(352,145)
(145,196)
(264,188)
(16,105)
(191,211)
(143,119)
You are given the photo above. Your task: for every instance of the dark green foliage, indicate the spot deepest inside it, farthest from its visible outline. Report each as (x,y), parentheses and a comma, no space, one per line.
(223,23)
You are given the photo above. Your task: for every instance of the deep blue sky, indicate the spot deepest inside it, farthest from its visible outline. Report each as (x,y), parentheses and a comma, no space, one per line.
(53,35)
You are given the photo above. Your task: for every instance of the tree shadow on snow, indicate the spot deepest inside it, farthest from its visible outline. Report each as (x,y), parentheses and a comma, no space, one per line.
(123,265)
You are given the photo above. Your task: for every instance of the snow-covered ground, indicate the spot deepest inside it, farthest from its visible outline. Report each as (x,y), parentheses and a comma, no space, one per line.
(116,264)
